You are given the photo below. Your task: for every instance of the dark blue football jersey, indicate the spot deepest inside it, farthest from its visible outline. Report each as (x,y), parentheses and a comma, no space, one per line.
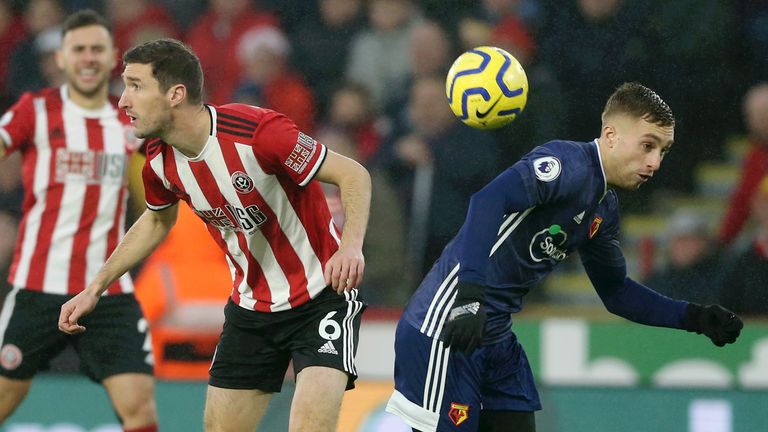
(571,210)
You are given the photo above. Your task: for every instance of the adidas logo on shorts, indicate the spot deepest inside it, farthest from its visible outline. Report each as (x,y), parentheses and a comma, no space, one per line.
(328,348)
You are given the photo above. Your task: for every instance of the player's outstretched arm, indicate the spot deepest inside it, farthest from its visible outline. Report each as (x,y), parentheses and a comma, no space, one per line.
(344,270)
(143,237)
(636,302)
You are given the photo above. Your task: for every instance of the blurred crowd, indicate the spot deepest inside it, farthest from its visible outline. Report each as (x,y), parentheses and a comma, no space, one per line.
(366,78)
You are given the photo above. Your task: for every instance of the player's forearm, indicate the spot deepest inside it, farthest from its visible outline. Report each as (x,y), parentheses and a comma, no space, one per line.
(634,301)
(356,199)
(143,237)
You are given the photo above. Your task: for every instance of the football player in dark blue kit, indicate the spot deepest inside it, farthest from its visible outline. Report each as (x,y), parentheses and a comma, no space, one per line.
(458,365)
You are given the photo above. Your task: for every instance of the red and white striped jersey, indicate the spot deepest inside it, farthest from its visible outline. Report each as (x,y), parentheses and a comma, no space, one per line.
(74,178)
(252,186)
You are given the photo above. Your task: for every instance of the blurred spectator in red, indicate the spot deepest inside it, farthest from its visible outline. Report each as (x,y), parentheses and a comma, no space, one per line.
(321,46)
(755,165)
(513,34)
(11,33)
(351,112)
(379,58)
(745,290)
(266,79)
(215,38)
(138,21)
(24,66)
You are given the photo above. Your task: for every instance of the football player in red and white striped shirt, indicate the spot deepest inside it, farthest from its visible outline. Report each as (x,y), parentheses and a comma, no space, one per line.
(249,174)
(75,145)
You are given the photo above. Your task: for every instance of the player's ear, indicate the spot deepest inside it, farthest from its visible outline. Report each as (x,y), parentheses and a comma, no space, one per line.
(59,59)
(609,131)
(177,94)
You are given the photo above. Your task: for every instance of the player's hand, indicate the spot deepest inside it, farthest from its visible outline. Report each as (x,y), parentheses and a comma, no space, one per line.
(344,270)
(463,332)
(74,309)
(714,321)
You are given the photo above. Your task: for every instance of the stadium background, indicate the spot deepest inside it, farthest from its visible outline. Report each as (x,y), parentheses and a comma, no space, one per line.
(596,373)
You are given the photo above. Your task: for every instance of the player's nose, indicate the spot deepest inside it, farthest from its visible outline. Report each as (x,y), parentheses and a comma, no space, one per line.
(654,161)
(123,102)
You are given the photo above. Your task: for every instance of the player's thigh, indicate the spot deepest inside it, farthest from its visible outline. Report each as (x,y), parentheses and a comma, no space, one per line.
(117,339)
(133,397)
(325,332)
(317,399)
(508,384)
(504,421)
(435,389)
(247,356)
(29,337)
(234,410)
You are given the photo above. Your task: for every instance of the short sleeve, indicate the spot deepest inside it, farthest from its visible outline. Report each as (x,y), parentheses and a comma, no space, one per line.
(284,150)
(17,125)
(158,197)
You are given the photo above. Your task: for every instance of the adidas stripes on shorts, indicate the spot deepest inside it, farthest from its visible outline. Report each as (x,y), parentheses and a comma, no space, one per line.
(256,347)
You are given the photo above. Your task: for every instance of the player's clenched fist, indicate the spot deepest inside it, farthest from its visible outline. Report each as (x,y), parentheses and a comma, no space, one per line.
(71,311)
(463,332)
(714,321)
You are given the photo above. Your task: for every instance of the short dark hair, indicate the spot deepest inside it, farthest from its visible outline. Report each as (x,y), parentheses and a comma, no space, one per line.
(639,101)
(172,63)
(84,18)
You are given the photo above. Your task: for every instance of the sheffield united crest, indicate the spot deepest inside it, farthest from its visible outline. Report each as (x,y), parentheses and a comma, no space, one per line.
(242,182)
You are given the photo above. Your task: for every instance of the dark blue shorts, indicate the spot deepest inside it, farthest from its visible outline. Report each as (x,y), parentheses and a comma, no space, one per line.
(437,390)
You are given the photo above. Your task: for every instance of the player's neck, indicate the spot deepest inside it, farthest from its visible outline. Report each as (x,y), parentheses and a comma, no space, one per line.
(191,129)
(89,102)
(605,159)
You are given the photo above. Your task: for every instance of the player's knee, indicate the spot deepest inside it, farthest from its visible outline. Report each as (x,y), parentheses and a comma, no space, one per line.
(141,411)
(136,408)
